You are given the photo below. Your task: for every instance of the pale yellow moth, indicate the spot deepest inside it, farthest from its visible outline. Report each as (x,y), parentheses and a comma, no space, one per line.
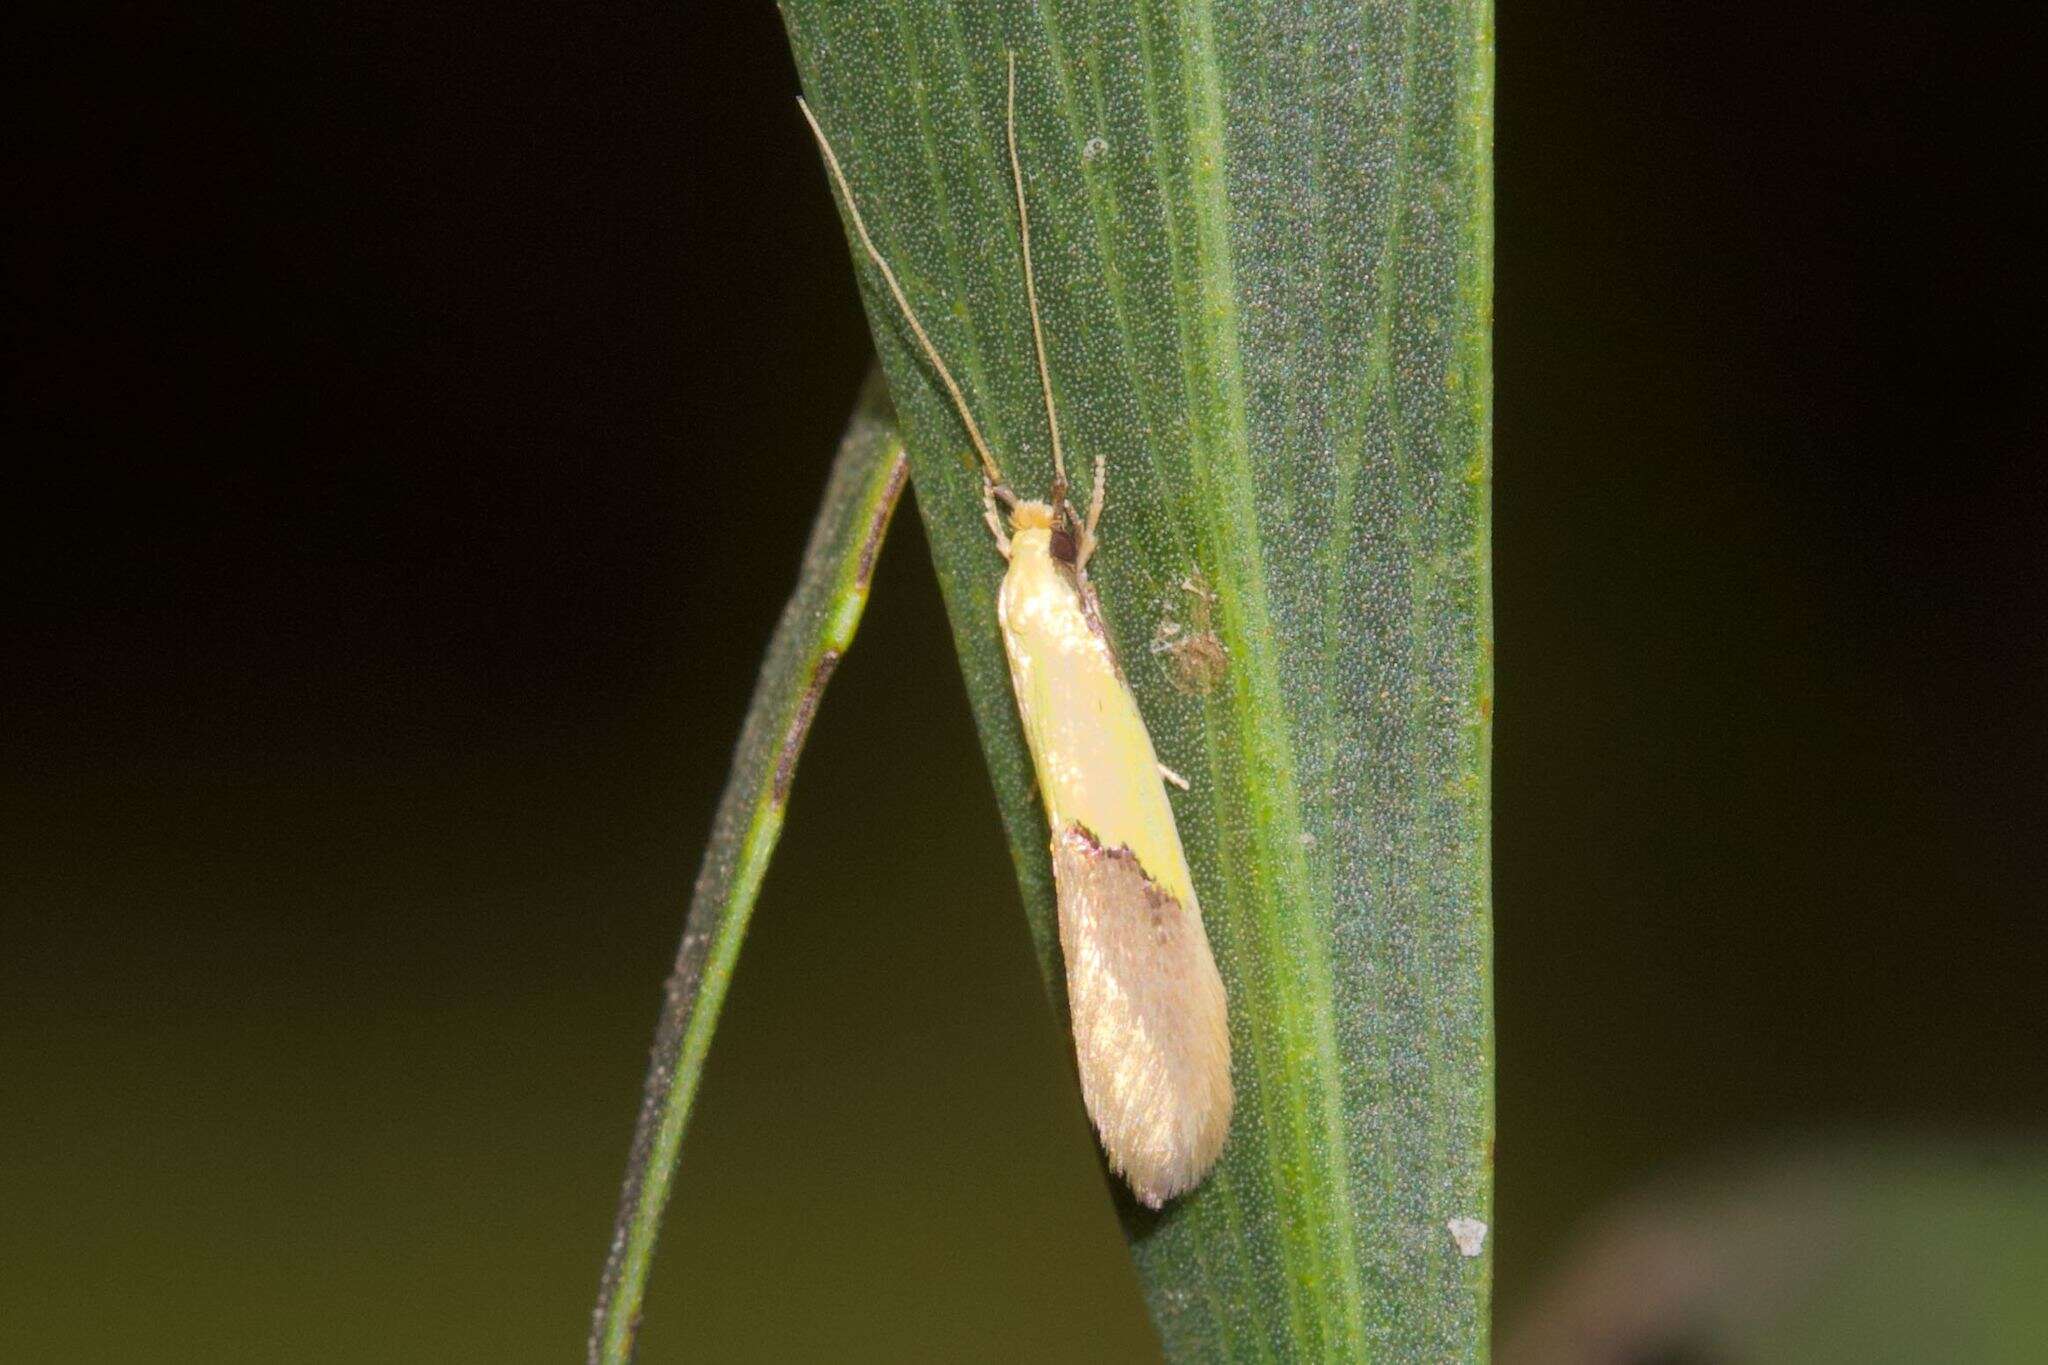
(1150,1029)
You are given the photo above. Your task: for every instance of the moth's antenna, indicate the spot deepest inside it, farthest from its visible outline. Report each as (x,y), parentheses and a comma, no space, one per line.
(1052,418)
(988,461)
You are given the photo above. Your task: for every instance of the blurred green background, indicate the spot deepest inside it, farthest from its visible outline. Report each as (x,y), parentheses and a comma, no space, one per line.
(418,415)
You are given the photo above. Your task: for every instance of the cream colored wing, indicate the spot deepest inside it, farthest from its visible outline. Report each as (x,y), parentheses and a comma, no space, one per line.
(1150,1030)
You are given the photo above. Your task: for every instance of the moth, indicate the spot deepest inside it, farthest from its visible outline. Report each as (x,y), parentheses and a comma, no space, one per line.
(1151,1032)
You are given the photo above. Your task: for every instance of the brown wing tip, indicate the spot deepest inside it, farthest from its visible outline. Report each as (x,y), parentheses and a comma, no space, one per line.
(1150,1019)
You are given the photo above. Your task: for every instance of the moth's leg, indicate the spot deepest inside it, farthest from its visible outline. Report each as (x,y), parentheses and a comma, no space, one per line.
(994,518)
(1085,542)
(1170,775)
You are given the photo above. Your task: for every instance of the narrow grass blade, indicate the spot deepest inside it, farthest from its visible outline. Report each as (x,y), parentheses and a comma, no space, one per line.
(1263,235)
(816,628)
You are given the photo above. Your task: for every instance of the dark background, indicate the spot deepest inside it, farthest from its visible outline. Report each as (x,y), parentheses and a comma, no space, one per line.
(415,416)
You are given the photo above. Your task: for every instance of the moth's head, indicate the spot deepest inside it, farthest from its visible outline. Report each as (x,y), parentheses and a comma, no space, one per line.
(1031,516)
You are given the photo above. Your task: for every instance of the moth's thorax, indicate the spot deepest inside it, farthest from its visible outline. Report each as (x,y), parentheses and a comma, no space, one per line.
(1040,599)
(1030,542)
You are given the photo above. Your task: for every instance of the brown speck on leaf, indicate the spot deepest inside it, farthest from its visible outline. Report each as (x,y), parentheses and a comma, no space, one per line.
(1192,654)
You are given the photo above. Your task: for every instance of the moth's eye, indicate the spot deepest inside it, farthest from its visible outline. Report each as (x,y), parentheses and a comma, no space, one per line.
(1063,546)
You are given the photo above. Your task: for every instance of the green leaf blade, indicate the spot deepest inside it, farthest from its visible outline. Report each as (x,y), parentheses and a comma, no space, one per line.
(816,629)
(1263,240)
